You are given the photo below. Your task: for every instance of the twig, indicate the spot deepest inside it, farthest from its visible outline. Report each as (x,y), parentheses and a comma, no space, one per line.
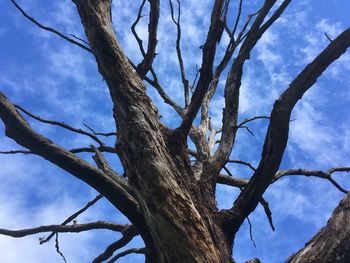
(60,124)
(252,119)
(73,216)
(82,40)
(251,231)
(328,37)
(107,134)
(248,130)
(58,248)
(244,163)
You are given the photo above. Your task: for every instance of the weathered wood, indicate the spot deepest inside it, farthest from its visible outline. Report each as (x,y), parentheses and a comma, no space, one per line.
(332,243)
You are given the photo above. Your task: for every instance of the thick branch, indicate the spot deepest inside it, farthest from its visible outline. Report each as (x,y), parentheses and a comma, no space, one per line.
(19,130)
(277,134)
(233,84)
(206,71)
(331,243)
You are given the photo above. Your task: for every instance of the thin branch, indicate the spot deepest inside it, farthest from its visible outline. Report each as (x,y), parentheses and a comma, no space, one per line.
(148,56)
(50,29)
(74,216)
(79,38)
(90,149)
(60,124)
(107,134)
(128,252)
(328,37)
(238,18)
(178,50)
(108,149)
(248,130)
(243,163)
(316,173)
(74,228)
(251,232)
(128,235)
(251,119)
(163,94)
(16,152)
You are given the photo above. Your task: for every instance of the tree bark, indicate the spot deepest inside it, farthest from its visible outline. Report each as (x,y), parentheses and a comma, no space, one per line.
(171,203)
(332,243)
(155,160)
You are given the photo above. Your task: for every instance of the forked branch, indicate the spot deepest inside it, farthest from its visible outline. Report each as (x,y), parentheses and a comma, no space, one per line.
(277,134)
(148,56)
(116,192)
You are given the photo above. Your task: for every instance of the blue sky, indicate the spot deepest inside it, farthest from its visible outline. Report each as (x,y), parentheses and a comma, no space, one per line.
(56,80)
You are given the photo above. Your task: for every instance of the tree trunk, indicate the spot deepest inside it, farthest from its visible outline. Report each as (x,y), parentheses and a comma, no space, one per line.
(332,243)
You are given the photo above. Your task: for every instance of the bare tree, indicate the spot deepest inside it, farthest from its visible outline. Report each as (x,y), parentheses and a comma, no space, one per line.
(167,190)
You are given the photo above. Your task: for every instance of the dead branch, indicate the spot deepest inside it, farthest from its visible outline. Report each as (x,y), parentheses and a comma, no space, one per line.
(128,235)
(60,124)
(178,49)
(268,212)
(57,246)
(316,173)
(50,29)
(148,56)
(209,49)
(108,149)
(74,228)
(243,163)
(74,216)
(251,119)
(277,134)
(19,130)
(233,84)
(107,134)
(251,232)
(128,252)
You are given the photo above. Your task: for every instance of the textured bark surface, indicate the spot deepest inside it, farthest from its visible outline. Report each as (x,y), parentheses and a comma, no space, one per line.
(170,201)
(331,243)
